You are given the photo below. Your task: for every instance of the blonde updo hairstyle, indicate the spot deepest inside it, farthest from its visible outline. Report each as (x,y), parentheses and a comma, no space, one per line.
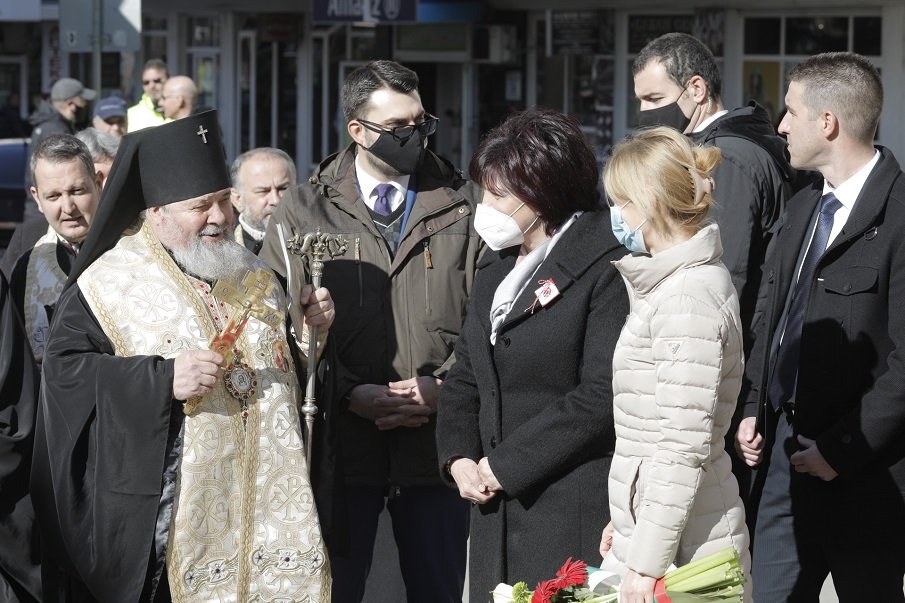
(666,176)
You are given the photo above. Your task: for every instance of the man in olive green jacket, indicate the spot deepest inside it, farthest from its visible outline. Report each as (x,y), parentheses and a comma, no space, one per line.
(400,292)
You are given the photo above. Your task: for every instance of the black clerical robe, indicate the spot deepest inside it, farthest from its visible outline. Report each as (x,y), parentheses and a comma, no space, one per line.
(109,428)
(20,577)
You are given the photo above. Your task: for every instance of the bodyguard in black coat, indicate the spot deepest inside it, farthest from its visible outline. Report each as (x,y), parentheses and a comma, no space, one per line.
(832,455)
(535,408)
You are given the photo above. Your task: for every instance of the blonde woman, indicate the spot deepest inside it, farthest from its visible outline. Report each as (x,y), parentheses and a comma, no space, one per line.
(677,367)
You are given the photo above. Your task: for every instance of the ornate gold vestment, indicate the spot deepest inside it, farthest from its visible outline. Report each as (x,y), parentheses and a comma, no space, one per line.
(244,526)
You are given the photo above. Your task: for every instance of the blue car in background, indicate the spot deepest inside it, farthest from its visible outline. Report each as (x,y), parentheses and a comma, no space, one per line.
(13,157)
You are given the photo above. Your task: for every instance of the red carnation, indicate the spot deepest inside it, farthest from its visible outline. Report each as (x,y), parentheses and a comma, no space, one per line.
(544,591)
(572,573)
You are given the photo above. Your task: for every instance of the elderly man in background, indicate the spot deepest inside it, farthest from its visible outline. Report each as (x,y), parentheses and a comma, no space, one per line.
(103,148)
(145,113)
(179,97)
(260,179)
(110,116)
(178,470)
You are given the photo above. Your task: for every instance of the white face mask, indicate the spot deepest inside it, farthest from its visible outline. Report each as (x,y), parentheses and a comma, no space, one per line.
(498,230)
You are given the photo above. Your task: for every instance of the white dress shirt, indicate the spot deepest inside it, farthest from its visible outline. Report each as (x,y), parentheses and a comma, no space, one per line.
(367,184)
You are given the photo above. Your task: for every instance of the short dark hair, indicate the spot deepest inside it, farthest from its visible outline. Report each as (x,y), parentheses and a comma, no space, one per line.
(848,85)
(61,148)
(156,64)
(361,84)
(683,57)
(541,157)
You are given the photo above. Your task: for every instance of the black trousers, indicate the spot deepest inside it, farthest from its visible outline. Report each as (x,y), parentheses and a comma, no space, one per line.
(430,526)
(808,529)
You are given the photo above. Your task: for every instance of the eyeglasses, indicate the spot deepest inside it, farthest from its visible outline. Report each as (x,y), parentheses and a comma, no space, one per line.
(403,133)
(149,82)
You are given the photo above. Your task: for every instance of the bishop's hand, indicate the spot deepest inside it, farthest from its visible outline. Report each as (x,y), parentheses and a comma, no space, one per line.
(318,307)
(195,373)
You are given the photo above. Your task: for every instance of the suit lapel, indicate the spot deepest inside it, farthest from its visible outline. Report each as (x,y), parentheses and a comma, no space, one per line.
(792,232)
(871,201)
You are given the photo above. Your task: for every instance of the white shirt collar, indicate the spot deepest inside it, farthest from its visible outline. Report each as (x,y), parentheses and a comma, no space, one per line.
(711,119)
(367,184)
(848,191)
(75,247)
(254,233)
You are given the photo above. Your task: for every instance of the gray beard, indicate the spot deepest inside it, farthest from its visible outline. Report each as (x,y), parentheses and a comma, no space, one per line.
(223,259)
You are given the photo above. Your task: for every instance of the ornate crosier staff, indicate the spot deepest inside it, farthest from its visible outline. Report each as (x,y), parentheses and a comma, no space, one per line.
(314,247)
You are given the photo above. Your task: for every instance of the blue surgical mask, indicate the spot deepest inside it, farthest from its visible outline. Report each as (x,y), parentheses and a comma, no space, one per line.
(633,240)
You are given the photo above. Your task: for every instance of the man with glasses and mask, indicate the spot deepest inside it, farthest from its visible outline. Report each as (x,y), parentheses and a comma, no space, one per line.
(400,292)
(678,85)
(146,112)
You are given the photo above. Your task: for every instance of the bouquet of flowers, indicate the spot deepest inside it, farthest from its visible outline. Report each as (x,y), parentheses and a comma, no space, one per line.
(717,578)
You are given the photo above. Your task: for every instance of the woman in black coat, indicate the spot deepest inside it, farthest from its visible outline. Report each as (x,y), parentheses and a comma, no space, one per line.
(525,425)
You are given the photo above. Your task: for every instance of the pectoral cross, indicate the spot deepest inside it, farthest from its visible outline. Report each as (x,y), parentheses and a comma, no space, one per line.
(201,132)
(247,298)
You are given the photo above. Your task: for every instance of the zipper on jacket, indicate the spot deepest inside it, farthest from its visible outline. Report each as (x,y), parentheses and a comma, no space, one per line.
(428,265)
(361,292)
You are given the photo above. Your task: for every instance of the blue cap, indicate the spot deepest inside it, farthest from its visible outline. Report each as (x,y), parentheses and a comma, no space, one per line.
(111,106)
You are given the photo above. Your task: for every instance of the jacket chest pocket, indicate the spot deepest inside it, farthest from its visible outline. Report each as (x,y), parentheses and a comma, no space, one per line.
(851,281)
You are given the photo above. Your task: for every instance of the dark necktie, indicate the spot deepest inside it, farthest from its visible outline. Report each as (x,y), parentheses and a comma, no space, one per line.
(785,369)
(382,205)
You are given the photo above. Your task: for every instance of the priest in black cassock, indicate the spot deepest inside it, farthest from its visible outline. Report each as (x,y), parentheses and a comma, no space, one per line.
(20,576)
(167,470)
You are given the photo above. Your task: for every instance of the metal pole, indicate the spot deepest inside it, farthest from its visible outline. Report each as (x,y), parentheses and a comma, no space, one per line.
(97,44)
(314,246)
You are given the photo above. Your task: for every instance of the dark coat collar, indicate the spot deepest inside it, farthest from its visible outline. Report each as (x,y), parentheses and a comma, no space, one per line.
(871,203)
(586,241)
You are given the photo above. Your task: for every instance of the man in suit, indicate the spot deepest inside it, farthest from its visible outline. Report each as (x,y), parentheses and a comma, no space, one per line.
(401,291)
(825,419)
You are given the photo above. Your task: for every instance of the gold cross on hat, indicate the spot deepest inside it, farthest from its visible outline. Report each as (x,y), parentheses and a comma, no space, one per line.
(247,296)
(201,132)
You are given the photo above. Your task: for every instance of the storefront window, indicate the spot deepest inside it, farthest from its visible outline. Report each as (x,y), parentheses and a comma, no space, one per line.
(203,31)
(644,28)
(867,35)
(763,35)
(203,50)
(576,75)
(774,45)
(807,36)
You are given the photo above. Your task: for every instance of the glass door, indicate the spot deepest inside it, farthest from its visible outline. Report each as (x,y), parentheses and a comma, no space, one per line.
(266,90)
(13,96)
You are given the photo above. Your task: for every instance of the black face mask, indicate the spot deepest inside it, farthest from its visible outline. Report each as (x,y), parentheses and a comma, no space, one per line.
(668,115)
(80,119)
(405,157)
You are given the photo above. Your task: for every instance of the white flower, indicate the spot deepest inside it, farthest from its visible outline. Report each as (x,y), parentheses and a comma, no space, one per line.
(502,593)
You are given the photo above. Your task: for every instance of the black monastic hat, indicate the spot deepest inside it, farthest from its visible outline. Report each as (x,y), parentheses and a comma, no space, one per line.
(155,166)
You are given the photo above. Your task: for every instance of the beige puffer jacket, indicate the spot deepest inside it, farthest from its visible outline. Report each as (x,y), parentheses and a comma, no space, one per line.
(677,370)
